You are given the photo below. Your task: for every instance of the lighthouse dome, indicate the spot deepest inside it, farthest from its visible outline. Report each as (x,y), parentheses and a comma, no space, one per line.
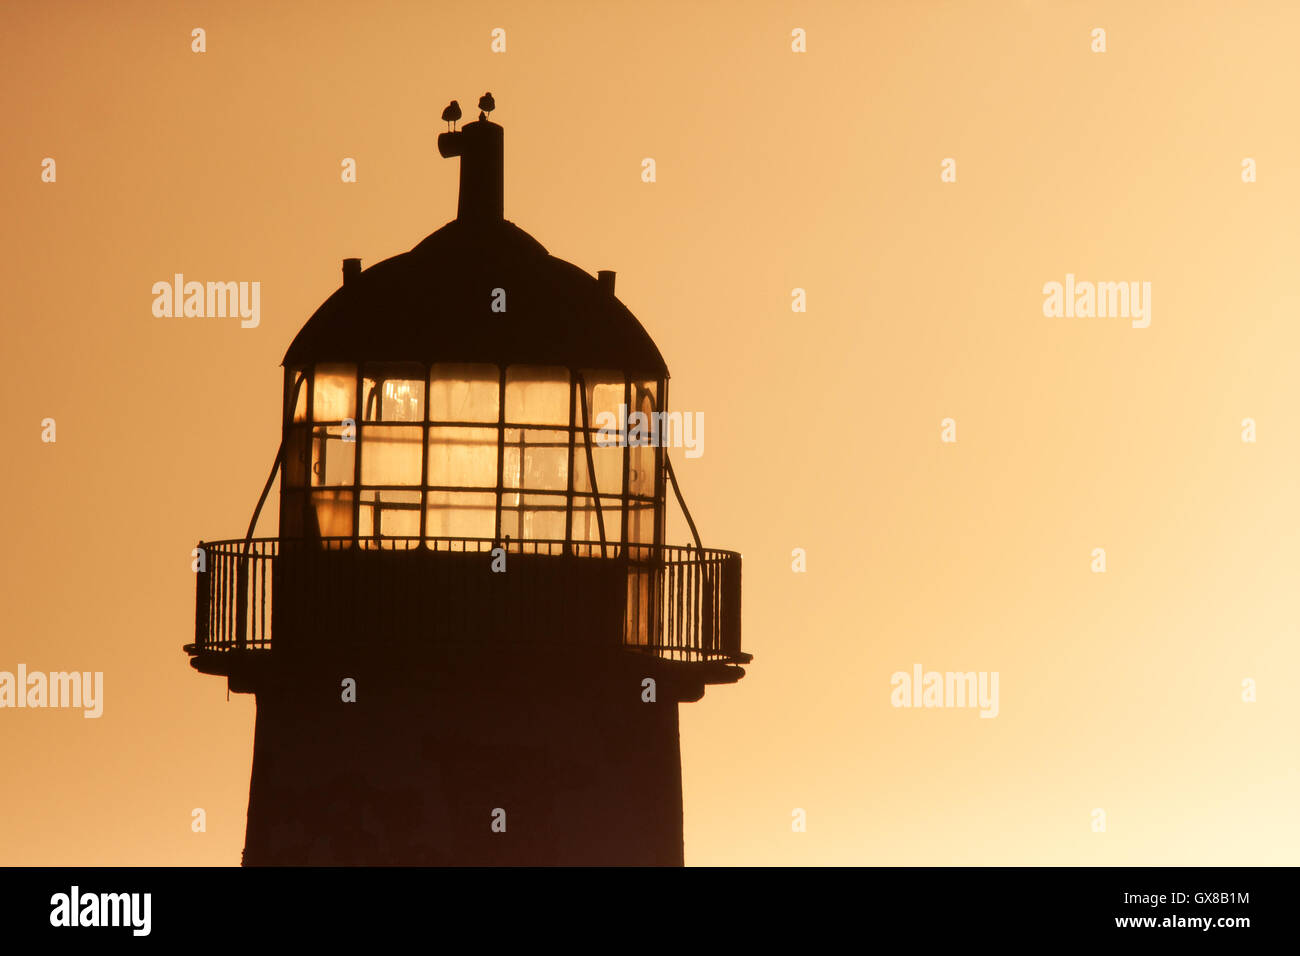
(478,290)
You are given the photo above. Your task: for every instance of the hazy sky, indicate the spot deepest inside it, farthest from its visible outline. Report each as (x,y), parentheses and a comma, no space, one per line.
(775,170)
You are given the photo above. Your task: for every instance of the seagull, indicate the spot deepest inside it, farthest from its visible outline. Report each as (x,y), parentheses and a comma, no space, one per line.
(451,114)
(485,102)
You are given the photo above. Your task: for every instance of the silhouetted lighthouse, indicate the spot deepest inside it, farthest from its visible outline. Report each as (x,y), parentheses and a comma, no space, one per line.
(469,641)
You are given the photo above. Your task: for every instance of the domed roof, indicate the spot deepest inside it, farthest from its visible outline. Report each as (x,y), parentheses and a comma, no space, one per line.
(434,304)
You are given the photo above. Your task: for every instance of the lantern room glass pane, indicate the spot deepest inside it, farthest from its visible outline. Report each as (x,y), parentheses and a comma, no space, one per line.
(640,523)
(464,393)
(334,393)
(463,457)
(536,459)
(605,395)
(537,395)
(295,456)
(394,392)
(297,397)
(387,513)
(333,459)
(640,470)
(453,514)
(333,513)
(646,394)
(586,525)
(642,453)
(390,454)
(609,469)
(533,517)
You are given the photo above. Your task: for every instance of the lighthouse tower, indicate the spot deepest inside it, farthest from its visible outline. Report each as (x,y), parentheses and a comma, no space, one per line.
(469,640)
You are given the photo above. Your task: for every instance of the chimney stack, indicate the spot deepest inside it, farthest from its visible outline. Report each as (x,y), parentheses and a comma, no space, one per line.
(351,270)
(480,146)
(606,279)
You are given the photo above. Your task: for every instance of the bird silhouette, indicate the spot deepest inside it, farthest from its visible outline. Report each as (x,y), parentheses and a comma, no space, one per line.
(452,113)
(485,102)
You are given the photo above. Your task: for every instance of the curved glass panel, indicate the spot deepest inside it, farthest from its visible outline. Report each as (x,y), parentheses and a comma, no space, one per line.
(462,457)
(537,395)
(464,393)
(390,454)
(393,392)
(334,393)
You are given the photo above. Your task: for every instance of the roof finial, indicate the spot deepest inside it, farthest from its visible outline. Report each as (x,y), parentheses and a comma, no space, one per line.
(479,146)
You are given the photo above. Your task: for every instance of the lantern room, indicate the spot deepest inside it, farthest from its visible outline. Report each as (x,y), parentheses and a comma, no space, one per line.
(391,452)
(458,391)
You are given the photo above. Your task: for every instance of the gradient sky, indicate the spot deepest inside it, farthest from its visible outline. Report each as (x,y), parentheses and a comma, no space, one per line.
(776,170)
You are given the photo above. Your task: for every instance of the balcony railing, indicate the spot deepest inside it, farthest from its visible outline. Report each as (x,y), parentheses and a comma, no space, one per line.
(678,603)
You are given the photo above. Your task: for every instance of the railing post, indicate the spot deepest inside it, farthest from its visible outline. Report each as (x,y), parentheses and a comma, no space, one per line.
(731,605)
(202,600)
(241,602)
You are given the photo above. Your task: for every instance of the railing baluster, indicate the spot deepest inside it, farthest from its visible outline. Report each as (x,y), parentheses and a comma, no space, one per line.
(213,602)
(263,564)
(225,605)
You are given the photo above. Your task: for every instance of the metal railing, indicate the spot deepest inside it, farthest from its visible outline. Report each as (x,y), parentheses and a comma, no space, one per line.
(678,603)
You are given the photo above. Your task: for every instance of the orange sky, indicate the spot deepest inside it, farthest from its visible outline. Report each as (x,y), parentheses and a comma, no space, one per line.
(775,170)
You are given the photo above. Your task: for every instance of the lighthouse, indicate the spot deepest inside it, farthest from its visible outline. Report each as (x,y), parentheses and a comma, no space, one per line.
(469,640)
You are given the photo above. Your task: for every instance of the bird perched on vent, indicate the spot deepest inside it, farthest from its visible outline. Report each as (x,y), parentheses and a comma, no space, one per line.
(451,114)
(485,102)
